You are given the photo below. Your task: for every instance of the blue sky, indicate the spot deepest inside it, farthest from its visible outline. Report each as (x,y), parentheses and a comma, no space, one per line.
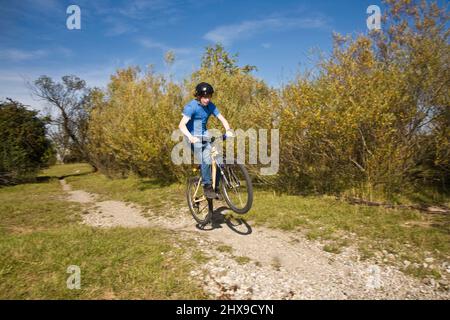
(276,36)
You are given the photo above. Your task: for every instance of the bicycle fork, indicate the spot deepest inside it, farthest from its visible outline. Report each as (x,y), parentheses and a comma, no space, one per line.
(197,201)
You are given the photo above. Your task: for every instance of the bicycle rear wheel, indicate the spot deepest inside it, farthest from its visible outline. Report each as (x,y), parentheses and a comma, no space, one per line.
(199,206)
(237,187)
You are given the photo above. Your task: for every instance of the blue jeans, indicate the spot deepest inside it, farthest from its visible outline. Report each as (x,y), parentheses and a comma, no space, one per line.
(202,152)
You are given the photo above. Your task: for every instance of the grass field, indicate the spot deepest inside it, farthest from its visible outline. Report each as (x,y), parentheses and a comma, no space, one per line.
(41,235)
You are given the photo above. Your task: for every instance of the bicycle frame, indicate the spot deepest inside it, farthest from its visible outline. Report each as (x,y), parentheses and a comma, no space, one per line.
(196,190)
(214,154)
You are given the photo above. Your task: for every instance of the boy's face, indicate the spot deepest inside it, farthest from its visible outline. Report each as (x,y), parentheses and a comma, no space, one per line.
(205,100)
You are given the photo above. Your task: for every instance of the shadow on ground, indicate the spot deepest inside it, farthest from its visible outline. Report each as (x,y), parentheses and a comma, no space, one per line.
(238,225)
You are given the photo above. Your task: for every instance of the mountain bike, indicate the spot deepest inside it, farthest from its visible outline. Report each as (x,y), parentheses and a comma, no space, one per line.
(235,187)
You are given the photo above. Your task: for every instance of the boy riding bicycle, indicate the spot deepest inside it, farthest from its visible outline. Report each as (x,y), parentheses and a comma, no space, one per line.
(193,125)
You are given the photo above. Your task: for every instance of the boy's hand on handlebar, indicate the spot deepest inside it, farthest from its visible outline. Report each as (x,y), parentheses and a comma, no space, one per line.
(194,140)
(229,134)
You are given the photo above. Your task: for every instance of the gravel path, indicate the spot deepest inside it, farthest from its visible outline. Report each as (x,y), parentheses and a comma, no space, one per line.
(261,263)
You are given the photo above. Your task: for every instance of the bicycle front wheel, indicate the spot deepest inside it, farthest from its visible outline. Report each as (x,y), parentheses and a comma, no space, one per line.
(197,202)
(237,187)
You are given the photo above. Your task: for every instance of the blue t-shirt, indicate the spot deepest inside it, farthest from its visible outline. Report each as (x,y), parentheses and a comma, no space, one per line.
(199,116)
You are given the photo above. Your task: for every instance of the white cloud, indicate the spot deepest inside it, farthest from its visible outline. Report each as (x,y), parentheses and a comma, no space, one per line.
(151,44)
(66,52)
(139,9)
(13,85)
(117,27)
(47,4)
(16,55)
(227,34)
(120,28)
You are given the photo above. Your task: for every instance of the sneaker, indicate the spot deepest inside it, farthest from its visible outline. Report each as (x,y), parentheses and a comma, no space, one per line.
(209,192)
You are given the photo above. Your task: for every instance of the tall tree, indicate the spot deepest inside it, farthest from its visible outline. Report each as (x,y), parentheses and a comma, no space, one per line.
(71,99)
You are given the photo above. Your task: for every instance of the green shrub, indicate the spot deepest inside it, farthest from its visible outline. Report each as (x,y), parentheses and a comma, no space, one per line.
(24,147)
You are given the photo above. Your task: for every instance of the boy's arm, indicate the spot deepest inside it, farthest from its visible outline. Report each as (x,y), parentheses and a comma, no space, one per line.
(185,130)
(225,123)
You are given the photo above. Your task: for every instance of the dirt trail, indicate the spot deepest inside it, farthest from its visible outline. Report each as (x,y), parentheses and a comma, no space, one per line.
(261,263)
(106,213)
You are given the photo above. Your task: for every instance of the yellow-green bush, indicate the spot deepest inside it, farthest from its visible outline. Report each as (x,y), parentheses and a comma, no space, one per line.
(373,115)
(131,124)
(373,118)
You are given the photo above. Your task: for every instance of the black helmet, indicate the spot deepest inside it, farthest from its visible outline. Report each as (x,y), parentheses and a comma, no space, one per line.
(203,89)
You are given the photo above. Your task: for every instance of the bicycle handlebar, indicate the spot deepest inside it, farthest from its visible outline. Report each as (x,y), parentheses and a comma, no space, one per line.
(224,137)
(205,139)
